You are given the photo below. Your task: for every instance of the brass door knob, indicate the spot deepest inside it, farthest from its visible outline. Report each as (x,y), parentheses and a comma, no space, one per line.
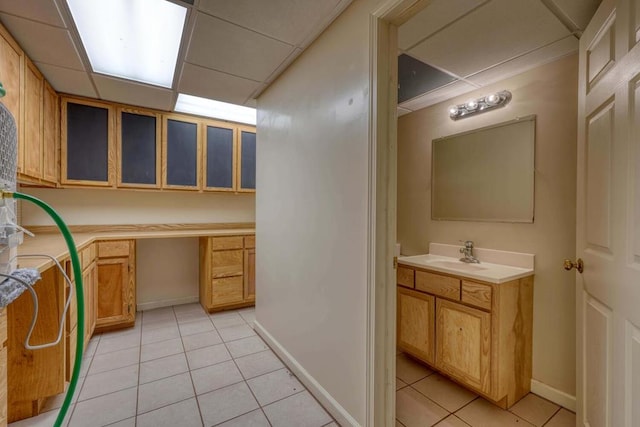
(578,265)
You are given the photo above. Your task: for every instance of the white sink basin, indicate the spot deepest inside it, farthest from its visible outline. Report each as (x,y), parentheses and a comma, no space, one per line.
(485,271)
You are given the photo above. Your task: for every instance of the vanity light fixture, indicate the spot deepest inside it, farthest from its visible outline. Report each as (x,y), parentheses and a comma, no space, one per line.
(480,105)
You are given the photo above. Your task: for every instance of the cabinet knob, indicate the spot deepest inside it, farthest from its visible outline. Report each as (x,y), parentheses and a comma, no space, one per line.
(578,265)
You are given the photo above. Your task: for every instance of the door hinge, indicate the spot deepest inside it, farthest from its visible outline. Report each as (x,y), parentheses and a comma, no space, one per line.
(395,262)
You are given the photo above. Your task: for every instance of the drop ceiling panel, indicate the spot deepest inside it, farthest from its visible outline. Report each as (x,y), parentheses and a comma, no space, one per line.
(432,18)
(494,33)
(288,20)
(213,84)
(64,80)
(526,62)
(36,10)
(579,11)
(128,92)
(225,47)
(44,43)
(439,95)
(416,77)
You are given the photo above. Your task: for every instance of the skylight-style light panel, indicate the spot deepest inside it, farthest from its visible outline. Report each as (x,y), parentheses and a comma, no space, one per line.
(132,39)
(215,109)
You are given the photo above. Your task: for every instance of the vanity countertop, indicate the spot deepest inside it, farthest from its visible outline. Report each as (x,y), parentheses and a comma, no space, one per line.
(506,266)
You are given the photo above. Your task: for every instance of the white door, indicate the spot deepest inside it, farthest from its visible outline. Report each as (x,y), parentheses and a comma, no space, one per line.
(608,218)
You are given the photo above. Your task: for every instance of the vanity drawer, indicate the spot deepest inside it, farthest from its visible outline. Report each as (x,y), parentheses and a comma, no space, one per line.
(227,242)
(476,294)
(249,242)
(227,290)
(444,286)
(405,277)
(117,248)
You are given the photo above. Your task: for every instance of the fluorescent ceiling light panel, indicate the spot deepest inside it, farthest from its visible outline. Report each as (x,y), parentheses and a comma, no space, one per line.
(216,109)
(132,39)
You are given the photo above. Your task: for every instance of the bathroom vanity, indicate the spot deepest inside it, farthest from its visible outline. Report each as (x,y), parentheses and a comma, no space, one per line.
(471,322)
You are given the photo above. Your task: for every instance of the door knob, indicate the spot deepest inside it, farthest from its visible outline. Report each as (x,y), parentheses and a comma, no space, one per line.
(578,265)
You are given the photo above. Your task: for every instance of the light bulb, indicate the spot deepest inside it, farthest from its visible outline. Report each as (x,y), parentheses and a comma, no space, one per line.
(493,99)
(472,105)
(453,111)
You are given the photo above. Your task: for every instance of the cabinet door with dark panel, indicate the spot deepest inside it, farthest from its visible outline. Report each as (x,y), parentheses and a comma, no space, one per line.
(87,143)
(180,152)
(139,149)
(219,157)
(247,160)
(50,134)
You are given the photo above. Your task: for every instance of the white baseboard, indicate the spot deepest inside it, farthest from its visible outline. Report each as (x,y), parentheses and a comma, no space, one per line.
(556,396)
(166,303)
(330,404)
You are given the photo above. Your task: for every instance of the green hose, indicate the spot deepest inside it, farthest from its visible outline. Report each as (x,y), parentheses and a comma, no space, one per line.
(77,273)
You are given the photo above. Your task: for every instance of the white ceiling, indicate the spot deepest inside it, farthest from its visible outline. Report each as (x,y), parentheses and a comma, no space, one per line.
(482,41)
(231,49)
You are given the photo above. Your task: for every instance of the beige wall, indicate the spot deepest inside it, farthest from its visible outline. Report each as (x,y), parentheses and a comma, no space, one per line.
(550,92)
(312,209)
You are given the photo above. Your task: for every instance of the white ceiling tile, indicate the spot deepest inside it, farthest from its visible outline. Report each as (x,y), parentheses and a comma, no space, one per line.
(444,93)
(213,84)
(288,20)
(44,43)
(489,35)
(579,11)
(432,18)
(526,62)
(64,80)
(37,10)
(133,93)
(225,47)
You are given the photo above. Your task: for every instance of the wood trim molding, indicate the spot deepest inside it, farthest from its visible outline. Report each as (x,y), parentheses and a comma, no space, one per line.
(36,229)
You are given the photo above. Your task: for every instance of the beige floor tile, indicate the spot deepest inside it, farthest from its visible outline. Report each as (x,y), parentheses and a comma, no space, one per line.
(535,409)
(164,392)
(207,356)
(299,410)
(226,321)
(183,414)
(332,424)
(563,418)
(216,376)
(92,346)
(162,368)
(161,349)
(274,386)
(115,343)
(193,316)
(252,419)
(452,421)
(86,364)
(245,346)
(409,370)
(400,384)
(129,422)
(197,327)
(226,403)
(55,402)
(149,336)
(206,339)
(159,323)
(105,409)
(481,413)
(108,382)
(164,313)
(415,410)
(444,392)
(114,360)
(223,314)
(258,364)
(233,333)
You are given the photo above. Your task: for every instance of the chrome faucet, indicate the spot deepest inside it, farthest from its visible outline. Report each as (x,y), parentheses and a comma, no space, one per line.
(467,250)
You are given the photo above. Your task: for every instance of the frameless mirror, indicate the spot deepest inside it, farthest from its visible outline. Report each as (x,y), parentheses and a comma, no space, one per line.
(485,174)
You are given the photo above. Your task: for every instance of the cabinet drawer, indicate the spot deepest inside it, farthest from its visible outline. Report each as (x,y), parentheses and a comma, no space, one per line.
(227,263)
(476,294)
(249,242)
(227,242)
(118,248)
(3,327)
(227,290)
(404,277)
(444,286)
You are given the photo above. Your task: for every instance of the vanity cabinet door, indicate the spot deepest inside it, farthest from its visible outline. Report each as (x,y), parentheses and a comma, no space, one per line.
(464,343)
(416,313)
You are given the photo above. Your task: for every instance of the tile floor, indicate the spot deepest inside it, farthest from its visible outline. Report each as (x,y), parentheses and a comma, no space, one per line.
(424,398)
(180,366)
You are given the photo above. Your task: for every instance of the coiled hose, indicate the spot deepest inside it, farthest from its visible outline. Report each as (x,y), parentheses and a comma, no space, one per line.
(77,273)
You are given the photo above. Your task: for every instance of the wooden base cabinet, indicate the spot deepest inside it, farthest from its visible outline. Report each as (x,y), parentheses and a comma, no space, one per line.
(116,290)
(478,334)
(227,272)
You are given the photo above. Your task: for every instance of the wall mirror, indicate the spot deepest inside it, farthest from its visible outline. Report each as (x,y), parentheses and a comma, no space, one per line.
(486,174)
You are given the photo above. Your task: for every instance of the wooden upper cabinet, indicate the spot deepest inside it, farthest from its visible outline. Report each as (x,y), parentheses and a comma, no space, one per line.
(31,158)
(138,134)
(219,157)
(50,134)
(87,146)
(247,160)
(180,152)
(11,67)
